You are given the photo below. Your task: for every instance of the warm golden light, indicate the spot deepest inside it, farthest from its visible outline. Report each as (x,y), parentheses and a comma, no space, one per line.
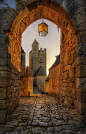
(43,29)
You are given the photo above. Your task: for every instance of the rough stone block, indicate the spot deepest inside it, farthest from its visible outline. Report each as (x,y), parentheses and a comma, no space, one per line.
(4,82)
(4,39)
(81,71)
(3,50)
(2,32)
(4,104)
(3,61)
(3,93)
(71,59)
(9,92)
(80,50)
(66,75)
(80,17)
(74,65)
(82,27)
(81,95)
(83,36)
(9,14)
(5,24)
(71,73)
(72,8)
(81,83)
(67,67)
(5,74)
(66,4)
(81,107)
(80,5)
(81,61)
(66,84)
(62,76)
(73,91)
(76,7)
(3,116)
(4,68)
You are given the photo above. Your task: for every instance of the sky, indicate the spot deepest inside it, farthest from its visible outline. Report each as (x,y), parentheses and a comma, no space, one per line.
(51,41)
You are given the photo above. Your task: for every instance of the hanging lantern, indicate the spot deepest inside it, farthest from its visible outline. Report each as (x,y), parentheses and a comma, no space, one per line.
(43,29)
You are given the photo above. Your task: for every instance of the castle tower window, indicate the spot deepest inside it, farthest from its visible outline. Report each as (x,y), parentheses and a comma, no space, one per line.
(43,29)
(41,60)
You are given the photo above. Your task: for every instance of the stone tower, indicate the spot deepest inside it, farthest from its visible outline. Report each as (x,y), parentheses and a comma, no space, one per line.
(22,57)
(37,58)
(37,63)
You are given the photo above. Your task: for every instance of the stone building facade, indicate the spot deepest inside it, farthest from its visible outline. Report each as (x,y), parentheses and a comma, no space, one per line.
(37,63)
(26,86)
(53,80)
(26,78)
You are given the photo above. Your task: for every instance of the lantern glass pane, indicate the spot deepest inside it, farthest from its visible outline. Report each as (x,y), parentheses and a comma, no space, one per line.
(42,33)
(41,27)
(46,28)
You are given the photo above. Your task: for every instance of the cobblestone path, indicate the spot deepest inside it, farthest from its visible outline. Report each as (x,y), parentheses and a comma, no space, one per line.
(42,115)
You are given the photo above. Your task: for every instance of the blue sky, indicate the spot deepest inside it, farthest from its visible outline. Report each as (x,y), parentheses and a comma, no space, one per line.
(51,41)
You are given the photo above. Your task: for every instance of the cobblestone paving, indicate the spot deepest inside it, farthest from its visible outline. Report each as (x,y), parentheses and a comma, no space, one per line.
(42,115)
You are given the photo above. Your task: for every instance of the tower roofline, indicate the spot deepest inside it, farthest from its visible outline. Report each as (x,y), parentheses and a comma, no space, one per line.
(35,42)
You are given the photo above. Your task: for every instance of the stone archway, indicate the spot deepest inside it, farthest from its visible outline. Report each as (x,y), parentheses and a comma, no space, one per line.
(42,88)
(69,39)
(56,14)
(27,16)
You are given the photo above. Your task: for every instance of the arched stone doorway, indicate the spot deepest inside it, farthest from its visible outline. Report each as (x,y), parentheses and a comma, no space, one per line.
(42,88)
(69,74)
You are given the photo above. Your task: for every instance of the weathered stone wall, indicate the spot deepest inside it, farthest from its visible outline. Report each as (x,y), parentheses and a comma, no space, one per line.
(53,85)
(26,71)
(47,87)
(13,22)
(9,87)
(26,86)
(26,82)
(38,80)
(54,80)
(68,68)
(79,16)
(23,71)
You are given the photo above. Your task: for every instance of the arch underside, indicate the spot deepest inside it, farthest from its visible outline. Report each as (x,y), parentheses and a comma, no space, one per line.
(60,17)
(56,15)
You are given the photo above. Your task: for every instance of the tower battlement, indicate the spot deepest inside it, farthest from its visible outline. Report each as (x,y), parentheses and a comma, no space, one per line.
(37,58)
(42,50)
